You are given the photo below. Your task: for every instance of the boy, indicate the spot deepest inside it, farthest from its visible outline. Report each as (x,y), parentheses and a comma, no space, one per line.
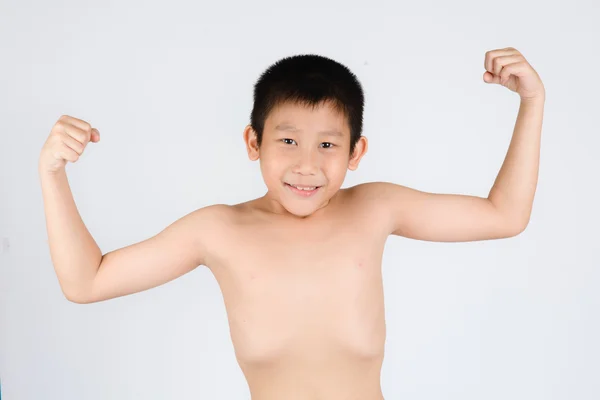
(300,267)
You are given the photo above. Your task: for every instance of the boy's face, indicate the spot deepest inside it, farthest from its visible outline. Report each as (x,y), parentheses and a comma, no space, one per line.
(303,147)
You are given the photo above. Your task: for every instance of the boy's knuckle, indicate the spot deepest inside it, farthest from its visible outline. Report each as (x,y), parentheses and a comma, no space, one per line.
(59,126)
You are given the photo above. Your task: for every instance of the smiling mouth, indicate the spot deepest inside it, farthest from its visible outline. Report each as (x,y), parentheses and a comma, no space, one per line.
(307,188)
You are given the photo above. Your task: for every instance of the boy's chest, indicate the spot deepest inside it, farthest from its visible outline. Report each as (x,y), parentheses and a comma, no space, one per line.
(302,296)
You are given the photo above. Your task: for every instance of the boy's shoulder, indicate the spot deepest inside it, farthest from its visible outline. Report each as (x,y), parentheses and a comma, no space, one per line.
(222,227)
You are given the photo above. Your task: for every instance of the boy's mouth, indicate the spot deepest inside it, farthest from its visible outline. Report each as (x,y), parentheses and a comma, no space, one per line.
(303,190)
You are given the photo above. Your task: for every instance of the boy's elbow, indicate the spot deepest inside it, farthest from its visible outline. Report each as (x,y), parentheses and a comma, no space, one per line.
(78,300)
(518,228)
(74,299)
(76,296)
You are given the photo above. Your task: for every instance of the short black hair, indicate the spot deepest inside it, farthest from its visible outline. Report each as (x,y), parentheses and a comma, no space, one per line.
(309,80)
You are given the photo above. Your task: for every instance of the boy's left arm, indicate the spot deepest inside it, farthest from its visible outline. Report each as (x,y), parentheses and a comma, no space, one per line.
(506,210)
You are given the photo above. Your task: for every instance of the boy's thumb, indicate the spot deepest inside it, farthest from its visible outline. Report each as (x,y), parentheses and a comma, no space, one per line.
(490,78)
(95,135)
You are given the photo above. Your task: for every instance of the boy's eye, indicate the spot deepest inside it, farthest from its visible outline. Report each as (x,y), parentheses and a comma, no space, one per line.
(330,145)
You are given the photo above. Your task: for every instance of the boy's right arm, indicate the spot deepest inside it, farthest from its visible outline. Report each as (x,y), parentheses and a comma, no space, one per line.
(173,252)
(84,274)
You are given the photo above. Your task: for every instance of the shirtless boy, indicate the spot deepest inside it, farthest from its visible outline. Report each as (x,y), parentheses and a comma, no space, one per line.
(299,268)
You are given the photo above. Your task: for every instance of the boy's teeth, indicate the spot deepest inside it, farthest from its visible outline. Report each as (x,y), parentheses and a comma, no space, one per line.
(299,188)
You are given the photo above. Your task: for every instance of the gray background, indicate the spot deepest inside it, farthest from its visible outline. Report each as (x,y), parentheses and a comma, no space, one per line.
(169,86)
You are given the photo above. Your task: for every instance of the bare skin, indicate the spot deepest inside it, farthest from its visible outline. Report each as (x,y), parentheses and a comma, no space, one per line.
(304,299)
(300,276)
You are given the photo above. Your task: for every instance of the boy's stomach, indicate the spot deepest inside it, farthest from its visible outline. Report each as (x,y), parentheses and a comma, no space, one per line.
(339,377)
(339,360)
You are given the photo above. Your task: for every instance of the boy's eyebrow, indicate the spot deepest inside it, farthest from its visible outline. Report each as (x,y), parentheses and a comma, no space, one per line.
(290,128)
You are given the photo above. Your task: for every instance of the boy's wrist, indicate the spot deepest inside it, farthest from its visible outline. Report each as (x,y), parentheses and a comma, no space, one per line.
(537,100)
(51,175)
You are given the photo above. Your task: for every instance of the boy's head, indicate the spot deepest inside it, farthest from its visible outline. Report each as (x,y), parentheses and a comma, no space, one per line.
(306,129)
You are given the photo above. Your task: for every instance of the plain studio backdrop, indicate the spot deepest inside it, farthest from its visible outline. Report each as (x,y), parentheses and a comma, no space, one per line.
(169,86)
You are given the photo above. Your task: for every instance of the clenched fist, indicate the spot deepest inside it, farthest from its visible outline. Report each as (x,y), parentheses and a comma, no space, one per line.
(66,142)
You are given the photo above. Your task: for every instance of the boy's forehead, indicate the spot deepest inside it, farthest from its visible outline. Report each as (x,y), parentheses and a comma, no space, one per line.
(294,118)
(303,109)
(286,126)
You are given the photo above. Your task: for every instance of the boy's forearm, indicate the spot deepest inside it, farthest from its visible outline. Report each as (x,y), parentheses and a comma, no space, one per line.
(75,254)
(514,188)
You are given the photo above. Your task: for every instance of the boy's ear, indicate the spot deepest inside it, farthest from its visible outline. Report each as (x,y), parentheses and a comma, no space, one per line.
(251,143)
(359,151)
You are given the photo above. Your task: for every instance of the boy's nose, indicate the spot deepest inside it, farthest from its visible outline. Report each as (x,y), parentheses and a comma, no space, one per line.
(307,164)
